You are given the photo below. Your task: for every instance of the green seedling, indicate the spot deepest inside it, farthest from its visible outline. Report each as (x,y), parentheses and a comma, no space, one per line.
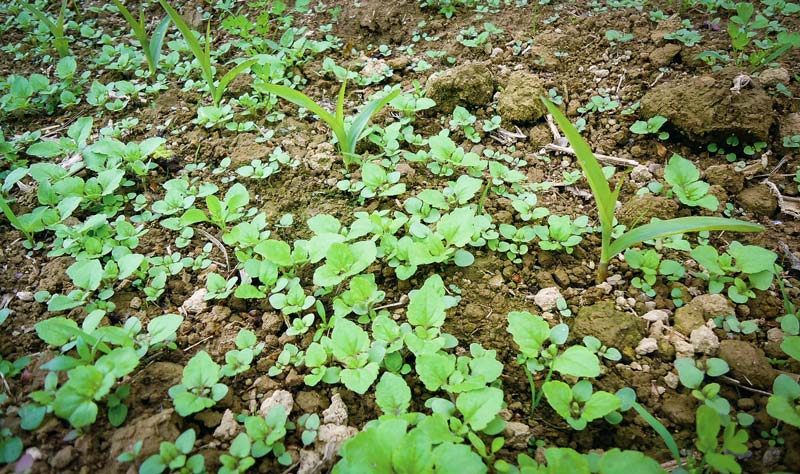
(203,55)
(579,404)
(267,434)
(238,360)
(151,45)
(616,36)
(26,230)
(347,135)
(60,42)
(742,268)
(356,358)
(199,388)
(220,213)
(561,232)
(174,457)
(692,377)
(539,350)
(606,200)
(684,177)
(651,126)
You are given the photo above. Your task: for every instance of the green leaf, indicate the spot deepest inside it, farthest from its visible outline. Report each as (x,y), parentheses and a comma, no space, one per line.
(392,394)
(559,396)
(600,405)
(359,380)
(479,407)
(451,458)
(577,361)
(690,376)
(680,225)
(530,332)
(457,226)
(348,340)
(434,369)
(426,305)
(708,425)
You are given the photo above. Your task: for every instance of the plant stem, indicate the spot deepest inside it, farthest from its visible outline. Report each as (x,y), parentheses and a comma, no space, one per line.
(483,195)
(529,375)
(546,379)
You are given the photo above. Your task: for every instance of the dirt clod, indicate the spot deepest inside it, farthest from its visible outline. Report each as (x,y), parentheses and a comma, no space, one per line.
(704,107)
(614,328)
(519,101)
(468,85)
(758,199)
(748,363)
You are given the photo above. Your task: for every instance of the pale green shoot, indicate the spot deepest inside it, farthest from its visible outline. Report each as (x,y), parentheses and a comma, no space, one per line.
(347,136)
(606,200)
(203,55)
(56,28)
(151,46)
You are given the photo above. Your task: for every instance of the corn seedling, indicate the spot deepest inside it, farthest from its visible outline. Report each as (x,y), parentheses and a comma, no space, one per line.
(203,55)
(346,135)
(606,199)
(151,46)
(56,28)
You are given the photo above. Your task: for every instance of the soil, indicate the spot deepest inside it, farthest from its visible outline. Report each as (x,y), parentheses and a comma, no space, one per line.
(493,285)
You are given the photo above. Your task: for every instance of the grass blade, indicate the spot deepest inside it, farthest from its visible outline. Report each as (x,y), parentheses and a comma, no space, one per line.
(681,225)
(229,76)
(603,196)
(197,49)
(157,40)
(302,100)
(360,121)
(661,430)
(340,103)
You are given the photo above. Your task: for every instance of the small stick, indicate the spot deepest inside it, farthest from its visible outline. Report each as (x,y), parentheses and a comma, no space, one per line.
(403,301)
(658,78)
(610,159)
(197,343)
(733,381)
(219,246)
(619,84)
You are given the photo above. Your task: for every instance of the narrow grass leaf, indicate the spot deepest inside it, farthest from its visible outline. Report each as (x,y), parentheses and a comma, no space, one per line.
(681,225)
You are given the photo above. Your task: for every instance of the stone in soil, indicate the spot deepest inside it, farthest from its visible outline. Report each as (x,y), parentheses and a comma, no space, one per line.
(773,76)
(679,408)
(519,101)
(279,397)
(196,303)
(704,108)
(704,341)
(547,298)
(612,327)
(702,308)
(337,412)
(468,85)
(748,363)
(228,427)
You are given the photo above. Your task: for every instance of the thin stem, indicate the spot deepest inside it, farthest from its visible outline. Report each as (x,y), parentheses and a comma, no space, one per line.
(483,195)
(546,379)
(529,375)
